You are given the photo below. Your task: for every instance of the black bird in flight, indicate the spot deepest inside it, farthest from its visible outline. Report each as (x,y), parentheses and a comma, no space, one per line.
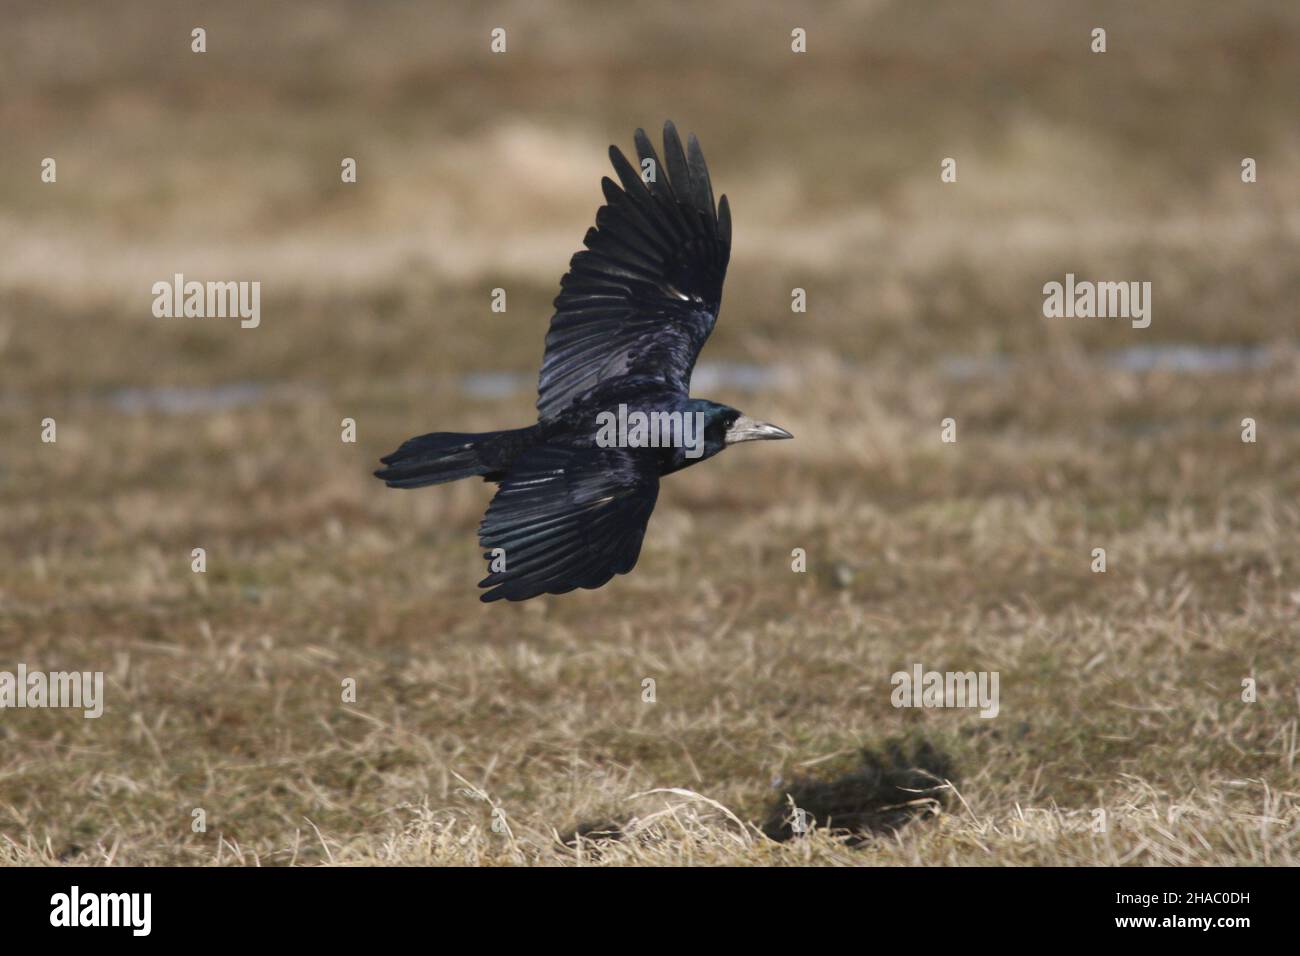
(634,310)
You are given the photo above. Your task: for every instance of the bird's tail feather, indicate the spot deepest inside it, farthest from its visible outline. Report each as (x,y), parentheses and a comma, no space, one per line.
(434,458)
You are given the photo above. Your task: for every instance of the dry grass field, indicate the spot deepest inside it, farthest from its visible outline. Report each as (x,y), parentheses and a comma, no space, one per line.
(518,734)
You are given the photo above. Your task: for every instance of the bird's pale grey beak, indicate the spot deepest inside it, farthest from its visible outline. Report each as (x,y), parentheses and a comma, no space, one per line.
(745,428)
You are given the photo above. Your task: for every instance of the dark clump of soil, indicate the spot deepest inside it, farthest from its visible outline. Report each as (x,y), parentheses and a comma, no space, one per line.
(885,793)
(593,834)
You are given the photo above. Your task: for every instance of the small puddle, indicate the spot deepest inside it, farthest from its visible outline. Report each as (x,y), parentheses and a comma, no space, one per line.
(189,400)
(1190,359)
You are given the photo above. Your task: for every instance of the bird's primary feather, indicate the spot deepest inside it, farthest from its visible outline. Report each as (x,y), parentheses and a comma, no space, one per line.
(643,296)
(567,518)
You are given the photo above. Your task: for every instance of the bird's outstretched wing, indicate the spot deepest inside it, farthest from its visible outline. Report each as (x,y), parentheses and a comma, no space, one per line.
(567,518)
(643,296)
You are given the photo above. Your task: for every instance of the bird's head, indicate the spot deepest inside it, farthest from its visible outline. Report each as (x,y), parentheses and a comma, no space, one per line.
(724,426)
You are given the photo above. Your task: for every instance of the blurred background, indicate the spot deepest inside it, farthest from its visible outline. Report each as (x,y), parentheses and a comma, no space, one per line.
(477,171)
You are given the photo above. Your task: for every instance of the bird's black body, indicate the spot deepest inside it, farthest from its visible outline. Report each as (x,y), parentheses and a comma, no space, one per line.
(634,310)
